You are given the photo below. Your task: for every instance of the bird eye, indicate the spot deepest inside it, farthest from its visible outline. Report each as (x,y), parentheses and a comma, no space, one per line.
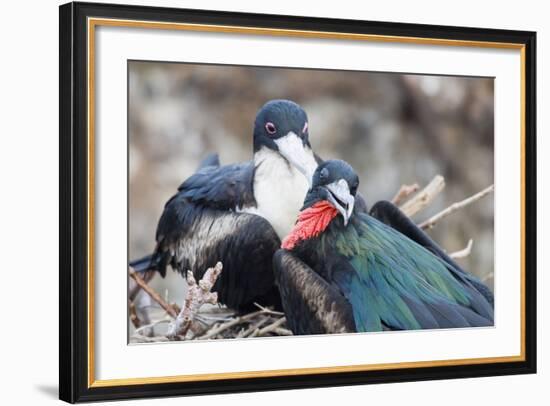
(354,187)
(324,173)
(270,128)
(304,130)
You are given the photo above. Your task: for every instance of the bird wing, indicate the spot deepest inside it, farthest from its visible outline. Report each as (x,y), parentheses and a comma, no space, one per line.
(191,236)
(228,187)
(390,214)
(393,281)
(312,306)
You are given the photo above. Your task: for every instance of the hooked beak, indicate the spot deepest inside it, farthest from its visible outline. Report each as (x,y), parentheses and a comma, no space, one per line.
(292,148)
(341,198)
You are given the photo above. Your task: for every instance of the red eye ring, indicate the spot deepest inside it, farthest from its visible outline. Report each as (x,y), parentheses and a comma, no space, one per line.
(270,128)
(304,130)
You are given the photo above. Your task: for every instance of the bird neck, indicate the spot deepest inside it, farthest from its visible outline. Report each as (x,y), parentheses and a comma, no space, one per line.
(311,222)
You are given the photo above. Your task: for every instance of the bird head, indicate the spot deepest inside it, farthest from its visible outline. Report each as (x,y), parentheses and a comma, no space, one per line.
(334,181)
(282,126)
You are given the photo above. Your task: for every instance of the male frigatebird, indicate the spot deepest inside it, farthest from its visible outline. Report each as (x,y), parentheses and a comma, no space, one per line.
(342,270)
(238,213)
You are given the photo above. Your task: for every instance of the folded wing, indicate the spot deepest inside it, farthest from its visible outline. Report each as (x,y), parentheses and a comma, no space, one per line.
(201,225)
(312,306)
(392,281)
(390,214)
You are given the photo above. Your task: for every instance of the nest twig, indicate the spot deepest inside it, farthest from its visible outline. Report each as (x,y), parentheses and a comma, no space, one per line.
(404,192)
(454,207)
(463,253)
(151,292)
(423,198)
(198,294)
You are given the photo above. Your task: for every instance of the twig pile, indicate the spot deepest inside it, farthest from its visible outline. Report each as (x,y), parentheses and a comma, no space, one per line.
(193,322)
(207,325)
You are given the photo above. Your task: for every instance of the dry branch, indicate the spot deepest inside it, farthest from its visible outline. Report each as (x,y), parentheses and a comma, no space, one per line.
(454,207)
(134,290)
(423,198)
(463,253)
(139,331)
(197,295)
(272,327)
(404,192)
(154,295)
(229,324)
(267,310)
(282,331)
(252,330)
(139,338)
(133,314)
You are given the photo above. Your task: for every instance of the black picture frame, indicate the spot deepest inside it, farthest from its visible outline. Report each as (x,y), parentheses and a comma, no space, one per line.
(74,200)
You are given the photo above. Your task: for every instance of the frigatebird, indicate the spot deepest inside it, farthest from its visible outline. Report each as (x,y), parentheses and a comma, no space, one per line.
(238,213)
(342,270)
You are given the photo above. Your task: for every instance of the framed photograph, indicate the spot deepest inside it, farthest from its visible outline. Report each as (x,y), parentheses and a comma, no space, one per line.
(255,202)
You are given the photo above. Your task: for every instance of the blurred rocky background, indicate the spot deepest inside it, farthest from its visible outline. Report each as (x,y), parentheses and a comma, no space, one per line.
(393,129)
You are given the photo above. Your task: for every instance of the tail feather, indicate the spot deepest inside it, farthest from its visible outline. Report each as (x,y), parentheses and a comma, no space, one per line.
(144,264)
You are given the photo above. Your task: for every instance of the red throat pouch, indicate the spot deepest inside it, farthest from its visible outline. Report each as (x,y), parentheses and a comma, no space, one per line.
(311,222)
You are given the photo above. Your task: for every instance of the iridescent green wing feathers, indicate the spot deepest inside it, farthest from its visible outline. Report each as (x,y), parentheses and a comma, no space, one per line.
(392,282)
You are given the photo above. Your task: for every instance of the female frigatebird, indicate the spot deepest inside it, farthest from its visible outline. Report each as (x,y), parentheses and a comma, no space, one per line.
(342,270)
(238,213)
